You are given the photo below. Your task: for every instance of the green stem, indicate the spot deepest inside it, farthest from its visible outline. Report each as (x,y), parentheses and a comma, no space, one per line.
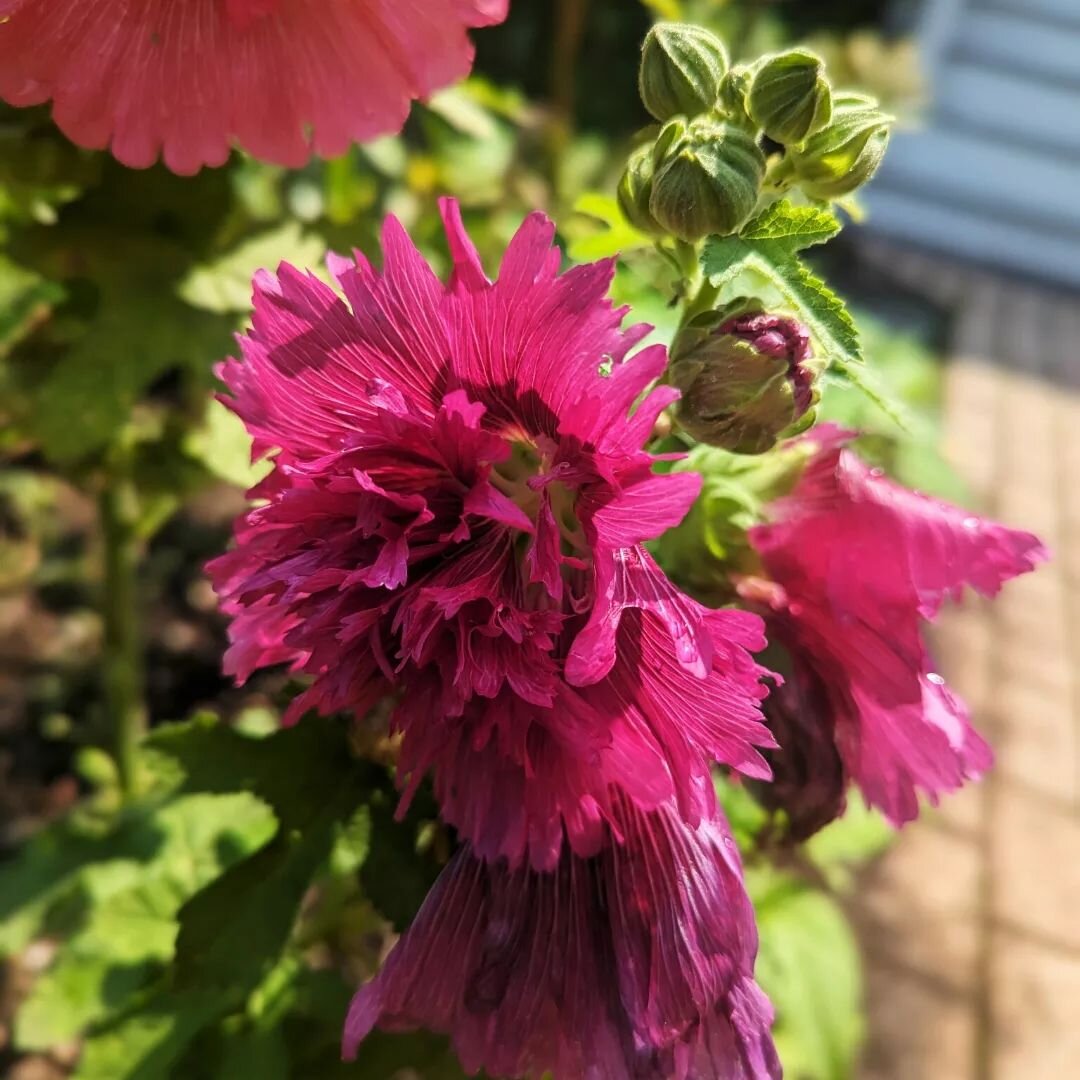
(570,18)
(123,660)
(700,294)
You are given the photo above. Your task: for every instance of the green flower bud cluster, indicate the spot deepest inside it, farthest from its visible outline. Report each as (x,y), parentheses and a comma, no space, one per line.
(705,172)
(701,175)
(682,67)
(789,97)
(833,142)
(846,153)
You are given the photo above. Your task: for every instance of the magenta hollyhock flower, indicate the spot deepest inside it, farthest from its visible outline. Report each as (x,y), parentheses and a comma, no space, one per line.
(456,511)
(186,79)
(858,563)
(637,962)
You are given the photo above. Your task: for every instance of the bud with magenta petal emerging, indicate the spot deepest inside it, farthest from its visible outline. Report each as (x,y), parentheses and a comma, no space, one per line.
(790,97)
(846,153)
(707,181)
(745,383)
(681,69)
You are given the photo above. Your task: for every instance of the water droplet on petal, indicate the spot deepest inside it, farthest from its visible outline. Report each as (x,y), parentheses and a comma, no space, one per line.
(877,473)
(935,678)
(971,524)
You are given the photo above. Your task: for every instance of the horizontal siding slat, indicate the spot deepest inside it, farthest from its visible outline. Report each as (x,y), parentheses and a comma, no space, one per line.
(1013,104)
(951,228)
(1062,11)
(990,174)
(1018,43)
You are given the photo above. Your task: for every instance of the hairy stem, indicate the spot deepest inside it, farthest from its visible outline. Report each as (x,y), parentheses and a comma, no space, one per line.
(123,660)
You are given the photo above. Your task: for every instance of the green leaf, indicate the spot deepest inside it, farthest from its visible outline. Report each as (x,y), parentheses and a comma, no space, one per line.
(224,285)
(297,770)
(254,1055)
(763,261)
(145,1044)
(396,876)
(797,227)
(25,299)
(132,930)
(850,841)
(223,446)
(133,330)
(233,933)
(745,815)
(870,387)
(809,966)
(617,236)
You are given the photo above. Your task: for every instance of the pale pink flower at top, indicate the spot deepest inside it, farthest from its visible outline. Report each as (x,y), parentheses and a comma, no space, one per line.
(456,513)
(187,79)
(637,963)
(857,563)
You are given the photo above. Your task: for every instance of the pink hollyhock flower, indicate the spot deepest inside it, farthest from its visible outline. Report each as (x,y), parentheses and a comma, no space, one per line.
(186,79)
(637,962)
(858,563)
(457,509)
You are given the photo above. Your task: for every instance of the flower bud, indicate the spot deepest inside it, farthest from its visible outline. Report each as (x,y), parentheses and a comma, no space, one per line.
(635,189)
(808,782)
(708,181)
(681,69)
(734,90)
(790,97)
(745,383)
(846,153)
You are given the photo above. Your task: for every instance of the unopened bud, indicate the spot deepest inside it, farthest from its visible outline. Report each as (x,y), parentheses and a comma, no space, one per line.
(790,97)
(681,69)
(808,782)
(746,383)
(635,190)
(708,181)
(734,91)
(846,153)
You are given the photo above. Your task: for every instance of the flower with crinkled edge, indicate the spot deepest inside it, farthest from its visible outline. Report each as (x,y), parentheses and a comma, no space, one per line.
(637,962)
(856,564)
(456,512)
(186,79)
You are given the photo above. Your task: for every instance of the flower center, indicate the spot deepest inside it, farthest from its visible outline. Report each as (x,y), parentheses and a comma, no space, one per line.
(516,477)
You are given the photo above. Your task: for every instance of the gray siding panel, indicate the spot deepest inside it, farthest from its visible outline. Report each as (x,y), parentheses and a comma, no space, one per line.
(1018,43)
(972,235)
(1012,105)
(995,174)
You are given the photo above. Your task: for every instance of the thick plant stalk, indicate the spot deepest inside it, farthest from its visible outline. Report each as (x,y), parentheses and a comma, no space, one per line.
(123,660)
(570,18)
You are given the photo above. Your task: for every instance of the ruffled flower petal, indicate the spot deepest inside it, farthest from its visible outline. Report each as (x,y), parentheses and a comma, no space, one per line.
(456,512)
(636,962)
(187,79)
(860,563)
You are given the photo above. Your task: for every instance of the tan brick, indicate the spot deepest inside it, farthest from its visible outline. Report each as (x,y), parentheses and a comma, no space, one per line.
(1035,862)
(1034,738)
(1036,1010)
(921,902)
(919,1032)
